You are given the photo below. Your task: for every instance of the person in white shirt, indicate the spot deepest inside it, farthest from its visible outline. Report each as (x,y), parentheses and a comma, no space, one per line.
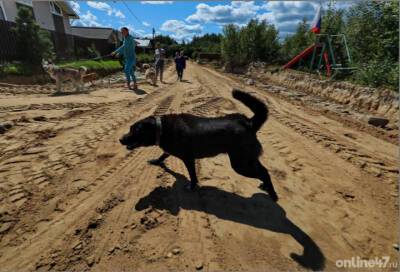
(159,56)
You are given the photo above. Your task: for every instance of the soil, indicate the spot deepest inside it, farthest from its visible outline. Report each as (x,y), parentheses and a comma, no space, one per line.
(72,198)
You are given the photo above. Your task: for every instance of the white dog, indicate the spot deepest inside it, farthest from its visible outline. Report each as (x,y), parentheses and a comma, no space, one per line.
(150,73)
(61,75)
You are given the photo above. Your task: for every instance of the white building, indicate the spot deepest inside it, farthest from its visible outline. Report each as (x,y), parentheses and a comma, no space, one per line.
(50,15)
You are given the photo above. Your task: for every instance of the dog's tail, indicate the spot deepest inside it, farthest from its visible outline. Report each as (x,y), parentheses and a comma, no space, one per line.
(259,108)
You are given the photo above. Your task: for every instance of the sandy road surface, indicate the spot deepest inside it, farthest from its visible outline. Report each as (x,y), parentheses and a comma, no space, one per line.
(72,198)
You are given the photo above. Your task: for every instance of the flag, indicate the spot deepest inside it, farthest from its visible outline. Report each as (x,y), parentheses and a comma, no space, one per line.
(316,23)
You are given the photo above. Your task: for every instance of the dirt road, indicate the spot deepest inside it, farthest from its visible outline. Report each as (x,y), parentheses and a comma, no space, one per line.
(72,198)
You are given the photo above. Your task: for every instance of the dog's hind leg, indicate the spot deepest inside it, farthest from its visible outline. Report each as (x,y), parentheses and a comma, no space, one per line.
(58,85)
(160,160)
(191,167)
(252,168)
(77,86)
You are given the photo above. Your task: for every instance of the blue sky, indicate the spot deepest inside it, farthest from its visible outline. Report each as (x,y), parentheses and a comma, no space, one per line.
(184,19)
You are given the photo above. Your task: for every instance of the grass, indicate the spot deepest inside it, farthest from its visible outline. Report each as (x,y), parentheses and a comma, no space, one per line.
(92,65)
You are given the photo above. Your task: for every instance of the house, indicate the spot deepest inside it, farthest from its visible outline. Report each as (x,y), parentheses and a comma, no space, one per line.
(103,39)
(52,16)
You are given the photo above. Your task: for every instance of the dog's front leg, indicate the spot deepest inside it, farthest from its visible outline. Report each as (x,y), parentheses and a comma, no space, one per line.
(191,167)
(58,84)
(160,160)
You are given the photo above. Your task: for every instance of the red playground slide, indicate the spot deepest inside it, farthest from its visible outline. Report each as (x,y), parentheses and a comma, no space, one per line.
(296,59)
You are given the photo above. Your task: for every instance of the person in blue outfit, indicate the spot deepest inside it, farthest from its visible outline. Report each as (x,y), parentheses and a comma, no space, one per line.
(127,50)
(180,63)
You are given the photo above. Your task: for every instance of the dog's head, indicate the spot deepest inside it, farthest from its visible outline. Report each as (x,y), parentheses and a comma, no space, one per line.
(48,66)
(142,133)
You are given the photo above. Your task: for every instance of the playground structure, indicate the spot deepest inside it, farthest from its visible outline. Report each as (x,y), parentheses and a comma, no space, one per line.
(329,56)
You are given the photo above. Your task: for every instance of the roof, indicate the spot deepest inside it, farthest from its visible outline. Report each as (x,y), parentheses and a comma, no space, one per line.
(101,33)
(67,9)
(143,43)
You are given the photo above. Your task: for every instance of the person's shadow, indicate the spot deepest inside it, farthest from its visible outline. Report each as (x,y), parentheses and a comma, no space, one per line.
(139,91)
(258,211)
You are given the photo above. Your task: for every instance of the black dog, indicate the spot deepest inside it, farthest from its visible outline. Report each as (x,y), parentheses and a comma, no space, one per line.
(190,137)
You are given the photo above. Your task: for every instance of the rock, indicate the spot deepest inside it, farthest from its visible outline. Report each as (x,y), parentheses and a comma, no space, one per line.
(2,129)
(199,266)
(7,125)
(77,246)
(250,81)
(90,260)
(40,118)
(176,251)
(169,255)
(378,121)
(111,250)
(5,226)
(396,246)
(350,136)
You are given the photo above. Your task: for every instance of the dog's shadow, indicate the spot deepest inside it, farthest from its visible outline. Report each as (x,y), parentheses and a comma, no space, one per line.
(257,211)
(70,93)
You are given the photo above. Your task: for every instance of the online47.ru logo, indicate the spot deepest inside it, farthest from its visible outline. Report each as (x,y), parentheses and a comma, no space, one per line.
(358,262)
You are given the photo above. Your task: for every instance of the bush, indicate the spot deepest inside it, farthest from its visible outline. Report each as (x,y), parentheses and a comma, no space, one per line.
(379,73)
(144,58)
(19,69)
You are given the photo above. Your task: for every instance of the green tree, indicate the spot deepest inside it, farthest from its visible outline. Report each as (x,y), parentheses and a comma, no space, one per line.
(230,50)
(32,43)
(257,41)
(300,40)
(373,36)
(332,21)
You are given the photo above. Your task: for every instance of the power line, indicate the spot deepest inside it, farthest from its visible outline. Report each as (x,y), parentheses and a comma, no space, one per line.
(133,14)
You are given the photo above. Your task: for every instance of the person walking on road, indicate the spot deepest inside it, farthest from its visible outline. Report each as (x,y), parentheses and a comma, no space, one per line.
(127,50)
(159,56)
(180,63)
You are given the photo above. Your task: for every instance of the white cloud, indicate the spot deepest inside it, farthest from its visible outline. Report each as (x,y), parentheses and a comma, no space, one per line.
(237,12)
(156,2)
(87,19)
(119,14)
(286,15)
(106,8)
(75,6)
(181,29)
(99,5)
(146,24)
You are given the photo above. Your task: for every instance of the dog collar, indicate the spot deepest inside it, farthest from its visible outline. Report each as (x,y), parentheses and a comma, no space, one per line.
(158,130)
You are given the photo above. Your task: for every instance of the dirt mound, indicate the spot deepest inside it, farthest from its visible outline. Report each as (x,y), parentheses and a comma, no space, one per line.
(363,99)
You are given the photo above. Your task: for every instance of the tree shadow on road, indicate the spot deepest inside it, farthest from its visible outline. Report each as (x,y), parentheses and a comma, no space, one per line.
(257,211)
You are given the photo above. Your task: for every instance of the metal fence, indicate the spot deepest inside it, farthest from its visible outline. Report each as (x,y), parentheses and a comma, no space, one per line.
(8,50)
(65,46)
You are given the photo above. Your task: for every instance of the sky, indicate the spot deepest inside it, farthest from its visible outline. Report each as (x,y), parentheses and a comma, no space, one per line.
(184,19)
